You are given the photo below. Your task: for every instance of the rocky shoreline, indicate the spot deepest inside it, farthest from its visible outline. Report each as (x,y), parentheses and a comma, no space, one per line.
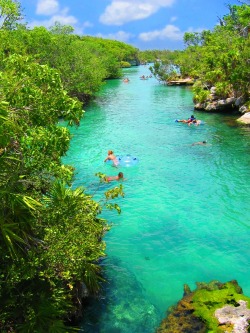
(215,103)
(212,307)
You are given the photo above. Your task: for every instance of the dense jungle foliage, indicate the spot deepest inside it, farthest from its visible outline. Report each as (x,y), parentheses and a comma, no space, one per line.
(50,233)
(218,58)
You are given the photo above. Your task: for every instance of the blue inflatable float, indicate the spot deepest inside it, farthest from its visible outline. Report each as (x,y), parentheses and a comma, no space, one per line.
(127,160)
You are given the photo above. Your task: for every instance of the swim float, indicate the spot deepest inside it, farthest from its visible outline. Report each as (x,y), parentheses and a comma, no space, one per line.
(127,160)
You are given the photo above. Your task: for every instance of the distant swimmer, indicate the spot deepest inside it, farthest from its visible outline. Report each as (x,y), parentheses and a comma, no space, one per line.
(202,143)
(190,121)
(187,121)
(126,80)
(112,157)
(118,177)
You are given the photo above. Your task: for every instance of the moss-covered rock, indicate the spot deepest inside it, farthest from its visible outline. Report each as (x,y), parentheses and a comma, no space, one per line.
(195,312)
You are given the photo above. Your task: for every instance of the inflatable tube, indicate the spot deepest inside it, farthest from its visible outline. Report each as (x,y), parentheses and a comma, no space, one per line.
(127,160)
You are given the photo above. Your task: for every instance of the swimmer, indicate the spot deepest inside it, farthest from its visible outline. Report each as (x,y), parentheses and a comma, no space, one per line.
(195,122)
(187,121)
(118,177)
(112,157)
(126,80)
(202,143)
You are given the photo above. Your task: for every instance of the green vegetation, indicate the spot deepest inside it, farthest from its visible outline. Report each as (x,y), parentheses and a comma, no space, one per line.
(206,301)
(218,58)
(196,310)
(51,234)
(83,63)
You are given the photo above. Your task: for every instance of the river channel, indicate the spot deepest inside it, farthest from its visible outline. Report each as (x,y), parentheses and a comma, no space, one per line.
(185,213)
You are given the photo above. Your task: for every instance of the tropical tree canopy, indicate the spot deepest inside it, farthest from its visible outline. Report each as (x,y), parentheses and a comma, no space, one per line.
(216,58)
(50,233)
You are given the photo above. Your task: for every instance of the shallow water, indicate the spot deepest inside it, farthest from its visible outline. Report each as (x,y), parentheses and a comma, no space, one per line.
(185,212)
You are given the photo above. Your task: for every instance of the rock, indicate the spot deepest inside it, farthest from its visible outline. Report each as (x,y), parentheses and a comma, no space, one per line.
(221,102)
(237,316)
(213,90)
(211,106)
(245,119)
(212,97)
(199,106)
(181,82)
(212,307)
(243,109)
(181,319)
(239,101)
(187,290)
(230,100)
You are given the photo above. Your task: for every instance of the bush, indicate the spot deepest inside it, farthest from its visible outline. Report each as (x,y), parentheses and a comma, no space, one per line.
(125,64)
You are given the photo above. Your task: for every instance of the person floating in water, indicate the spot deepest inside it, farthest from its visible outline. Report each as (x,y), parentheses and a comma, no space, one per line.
(126,80)
(187,121)
(202,143)
(118,177)
(112,157)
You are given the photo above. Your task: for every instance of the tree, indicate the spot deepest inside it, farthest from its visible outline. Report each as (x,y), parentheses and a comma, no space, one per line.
(217,58)
(60,29)
(50,234)
(10,14)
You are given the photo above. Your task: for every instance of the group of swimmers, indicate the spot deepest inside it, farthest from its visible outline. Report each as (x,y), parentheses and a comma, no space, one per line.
(111,157)
(143,77)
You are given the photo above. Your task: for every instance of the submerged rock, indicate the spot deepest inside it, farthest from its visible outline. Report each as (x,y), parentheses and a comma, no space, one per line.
(212,307)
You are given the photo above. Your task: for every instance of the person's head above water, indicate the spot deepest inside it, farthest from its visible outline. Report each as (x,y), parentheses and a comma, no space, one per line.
(192,116)
(110,152)
(205,141)
(120,175)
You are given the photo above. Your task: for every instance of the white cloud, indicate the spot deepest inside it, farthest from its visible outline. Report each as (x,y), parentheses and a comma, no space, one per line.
(120,35)
(87,24)
(51,8)
(173,19)
(169,32)
(122,11)
(65,20)
(47,7)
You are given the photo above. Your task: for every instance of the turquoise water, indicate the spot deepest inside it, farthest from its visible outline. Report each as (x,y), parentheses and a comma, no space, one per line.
(185,214)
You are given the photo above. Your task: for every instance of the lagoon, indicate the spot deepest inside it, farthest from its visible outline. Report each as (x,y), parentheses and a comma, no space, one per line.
(185,214)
